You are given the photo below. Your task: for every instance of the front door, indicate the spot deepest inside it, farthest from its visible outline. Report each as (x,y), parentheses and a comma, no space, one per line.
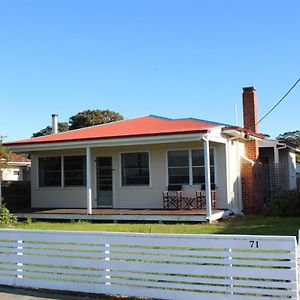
(104,181)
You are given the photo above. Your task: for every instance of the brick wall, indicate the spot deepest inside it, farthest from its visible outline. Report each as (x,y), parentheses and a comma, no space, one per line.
(252,174)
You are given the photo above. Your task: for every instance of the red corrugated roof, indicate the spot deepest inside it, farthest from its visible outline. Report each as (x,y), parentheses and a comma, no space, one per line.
(19,158)
(138,127)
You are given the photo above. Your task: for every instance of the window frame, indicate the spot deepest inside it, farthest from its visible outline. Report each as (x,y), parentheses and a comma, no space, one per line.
(84,170)
(191,183)
(62,185)
(149,170)
(38,172)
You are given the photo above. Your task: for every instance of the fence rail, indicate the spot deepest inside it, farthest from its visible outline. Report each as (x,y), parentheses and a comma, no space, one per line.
(163,266)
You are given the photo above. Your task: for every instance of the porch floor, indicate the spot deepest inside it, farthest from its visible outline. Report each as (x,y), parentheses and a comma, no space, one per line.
(107,214)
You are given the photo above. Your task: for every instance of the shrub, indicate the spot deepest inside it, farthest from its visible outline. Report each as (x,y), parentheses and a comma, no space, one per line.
(286,204)
(6,218)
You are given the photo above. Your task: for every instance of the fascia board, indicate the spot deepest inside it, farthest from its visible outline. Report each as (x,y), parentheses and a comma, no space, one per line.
(107,142)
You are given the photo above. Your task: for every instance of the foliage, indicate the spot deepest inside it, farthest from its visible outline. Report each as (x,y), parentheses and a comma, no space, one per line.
(62,126)
(83,119)
(292,137)
(286,204)
(28,221)
(6,218)
(93,117)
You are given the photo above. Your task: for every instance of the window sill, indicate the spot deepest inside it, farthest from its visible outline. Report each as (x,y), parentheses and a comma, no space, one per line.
(52,188)
(136,187)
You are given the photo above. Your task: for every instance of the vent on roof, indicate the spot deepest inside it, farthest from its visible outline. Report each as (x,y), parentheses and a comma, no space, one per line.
(54,123)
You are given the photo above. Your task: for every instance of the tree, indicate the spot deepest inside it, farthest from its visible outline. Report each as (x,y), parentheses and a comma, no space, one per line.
(93,117)
(292,137)
(62,126)
(83,119)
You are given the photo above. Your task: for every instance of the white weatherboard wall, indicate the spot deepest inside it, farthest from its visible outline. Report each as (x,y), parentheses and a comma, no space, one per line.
(236,150)
(292,170)
(71,197)
(163,266)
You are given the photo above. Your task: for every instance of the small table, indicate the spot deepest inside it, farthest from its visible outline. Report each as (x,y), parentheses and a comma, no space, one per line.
(188,202)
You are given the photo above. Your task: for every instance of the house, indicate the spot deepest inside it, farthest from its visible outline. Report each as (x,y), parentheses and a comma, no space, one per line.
(17,168)
(279,163)
(128,164)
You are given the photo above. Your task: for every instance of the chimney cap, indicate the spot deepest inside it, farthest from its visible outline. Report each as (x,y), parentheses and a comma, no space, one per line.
(53,115)
(249,88)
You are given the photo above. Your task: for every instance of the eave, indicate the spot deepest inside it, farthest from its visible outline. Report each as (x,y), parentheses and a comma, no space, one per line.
(242,133)
(107,142)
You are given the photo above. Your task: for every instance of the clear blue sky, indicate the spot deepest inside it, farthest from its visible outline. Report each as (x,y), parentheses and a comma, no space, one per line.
(187,58)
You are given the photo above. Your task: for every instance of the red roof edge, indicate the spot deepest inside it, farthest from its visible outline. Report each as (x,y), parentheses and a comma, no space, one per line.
(246,131)
(30,142)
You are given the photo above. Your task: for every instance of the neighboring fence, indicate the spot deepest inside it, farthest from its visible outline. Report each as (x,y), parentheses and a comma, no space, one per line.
(151,265)
(16,194)
(276,180)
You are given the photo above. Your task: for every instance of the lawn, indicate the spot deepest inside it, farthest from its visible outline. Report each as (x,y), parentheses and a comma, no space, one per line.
(240,225)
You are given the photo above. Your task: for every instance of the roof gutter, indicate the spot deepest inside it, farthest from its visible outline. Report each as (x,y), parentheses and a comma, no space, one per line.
(111,142)
(241,134)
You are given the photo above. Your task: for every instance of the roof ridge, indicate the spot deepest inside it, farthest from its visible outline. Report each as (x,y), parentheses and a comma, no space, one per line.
(191,118)
(204,121)
(160,117)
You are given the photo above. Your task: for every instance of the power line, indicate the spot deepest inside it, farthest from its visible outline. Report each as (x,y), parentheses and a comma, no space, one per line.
(278,101)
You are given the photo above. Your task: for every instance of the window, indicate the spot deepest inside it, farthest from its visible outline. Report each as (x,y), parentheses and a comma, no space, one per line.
(135,168)
(74,171)
(52,168)
(178,163)
(198,168)
(186,167)
(49,171)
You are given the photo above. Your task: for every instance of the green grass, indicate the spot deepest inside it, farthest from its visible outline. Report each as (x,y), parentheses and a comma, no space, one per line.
(240,225)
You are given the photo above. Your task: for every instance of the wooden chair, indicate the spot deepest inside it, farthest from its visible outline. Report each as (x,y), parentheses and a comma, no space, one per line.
(201,197)
(172,198)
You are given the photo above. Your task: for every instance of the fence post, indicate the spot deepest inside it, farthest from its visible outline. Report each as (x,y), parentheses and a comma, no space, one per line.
(19,265)
(229,257)
(107,258)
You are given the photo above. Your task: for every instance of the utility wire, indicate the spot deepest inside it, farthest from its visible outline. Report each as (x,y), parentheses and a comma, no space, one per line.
(278,102)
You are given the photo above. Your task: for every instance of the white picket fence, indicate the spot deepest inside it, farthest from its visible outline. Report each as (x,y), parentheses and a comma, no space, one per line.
(163,266)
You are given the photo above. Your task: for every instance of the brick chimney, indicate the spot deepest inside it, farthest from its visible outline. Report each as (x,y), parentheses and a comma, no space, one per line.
(250,120)
(252,188)
(250,108)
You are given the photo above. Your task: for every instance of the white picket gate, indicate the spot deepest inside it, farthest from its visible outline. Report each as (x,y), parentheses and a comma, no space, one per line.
(163,266)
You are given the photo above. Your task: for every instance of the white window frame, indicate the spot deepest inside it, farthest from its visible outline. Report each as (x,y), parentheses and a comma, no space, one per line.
(191,183)
(146,186)
(62,186)
(63,174)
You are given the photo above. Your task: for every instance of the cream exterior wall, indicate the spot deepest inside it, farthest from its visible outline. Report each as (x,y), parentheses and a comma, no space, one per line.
(236,150)
(292,170)
(128,197)
(56,197)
